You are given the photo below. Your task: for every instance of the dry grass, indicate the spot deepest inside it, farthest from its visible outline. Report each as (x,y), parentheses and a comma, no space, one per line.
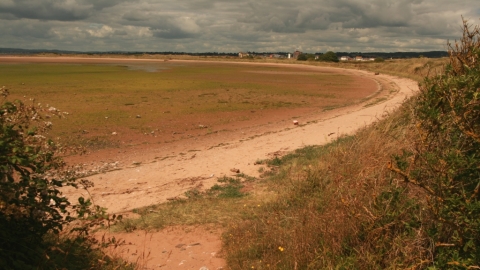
(330,212)
(322,207)
(414,68)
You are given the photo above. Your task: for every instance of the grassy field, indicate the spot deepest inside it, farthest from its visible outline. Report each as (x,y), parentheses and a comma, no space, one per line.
(141,97)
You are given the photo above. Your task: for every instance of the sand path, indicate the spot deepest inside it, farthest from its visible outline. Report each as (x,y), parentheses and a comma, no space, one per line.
(153,181)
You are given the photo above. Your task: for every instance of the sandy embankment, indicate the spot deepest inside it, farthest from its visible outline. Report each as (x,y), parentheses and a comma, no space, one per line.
(154,181)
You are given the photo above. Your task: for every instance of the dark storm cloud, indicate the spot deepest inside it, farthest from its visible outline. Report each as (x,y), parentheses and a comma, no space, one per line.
(234,25)
(45,9)
(61,10)
(31,30)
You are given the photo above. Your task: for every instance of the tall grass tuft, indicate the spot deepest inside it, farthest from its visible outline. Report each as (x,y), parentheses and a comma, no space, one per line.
(337,206)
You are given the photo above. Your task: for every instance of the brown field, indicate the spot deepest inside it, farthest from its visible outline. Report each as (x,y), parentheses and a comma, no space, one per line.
(151,102)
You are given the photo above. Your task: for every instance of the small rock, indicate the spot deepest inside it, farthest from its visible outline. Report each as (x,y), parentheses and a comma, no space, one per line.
(203,268)
(194,244)
(138,116)
(235,170)
(114,133)
(179,245)
(295,122)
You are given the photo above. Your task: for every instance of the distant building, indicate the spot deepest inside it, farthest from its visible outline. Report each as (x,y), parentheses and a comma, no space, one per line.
(358,58)
(296,54)
(344,58)
(243,54)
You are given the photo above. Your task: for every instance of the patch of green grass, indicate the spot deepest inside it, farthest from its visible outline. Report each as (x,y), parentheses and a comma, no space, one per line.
(375,102)
(329,108)
(229,188)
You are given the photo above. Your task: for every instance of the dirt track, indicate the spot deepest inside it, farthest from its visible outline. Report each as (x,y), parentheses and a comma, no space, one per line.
(144,179)
(151,180)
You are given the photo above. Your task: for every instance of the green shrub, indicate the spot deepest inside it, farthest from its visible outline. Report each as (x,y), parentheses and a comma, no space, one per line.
(302,57)
(328,57)
(445,160)
(32,207)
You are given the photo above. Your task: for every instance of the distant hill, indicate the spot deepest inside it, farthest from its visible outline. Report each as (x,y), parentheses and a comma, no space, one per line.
(31,51)
(396,55)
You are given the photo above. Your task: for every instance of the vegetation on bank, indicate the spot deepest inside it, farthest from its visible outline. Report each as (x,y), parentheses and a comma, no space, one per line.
(40,228)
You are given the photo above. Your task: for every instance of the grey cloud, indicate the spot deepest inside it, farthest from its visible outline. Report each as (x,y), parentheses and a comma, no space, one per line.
(255,25)
(135,16)
(376,13)
(176,28)
(101,4)
(30,30)
(61,10)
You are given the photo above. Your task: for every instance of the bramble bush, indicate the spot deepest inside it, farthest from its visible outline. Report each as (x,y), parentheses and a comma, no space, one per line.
(445,159)
(32,208)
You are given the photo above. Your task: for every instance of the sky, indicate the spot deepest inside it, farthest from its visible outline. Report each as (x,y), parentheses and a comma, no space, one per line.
(234,25)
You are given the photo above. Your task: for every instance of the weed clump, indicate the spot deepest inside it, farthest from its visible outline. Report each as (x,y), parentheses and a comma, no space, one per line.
(444,161)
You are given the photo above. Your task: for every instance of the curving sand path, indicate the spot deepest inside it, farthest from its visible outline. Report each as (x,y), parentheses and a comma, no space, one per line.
(153,181)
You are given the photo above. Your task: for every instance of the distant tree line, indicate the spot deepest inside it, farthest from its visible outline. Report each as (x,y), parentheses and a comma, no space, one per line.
(323,57)
(395,55)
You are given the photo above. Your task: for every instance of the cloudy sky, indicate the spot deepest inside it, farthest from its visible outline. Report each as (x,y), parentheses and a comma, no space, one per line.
(234,25)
